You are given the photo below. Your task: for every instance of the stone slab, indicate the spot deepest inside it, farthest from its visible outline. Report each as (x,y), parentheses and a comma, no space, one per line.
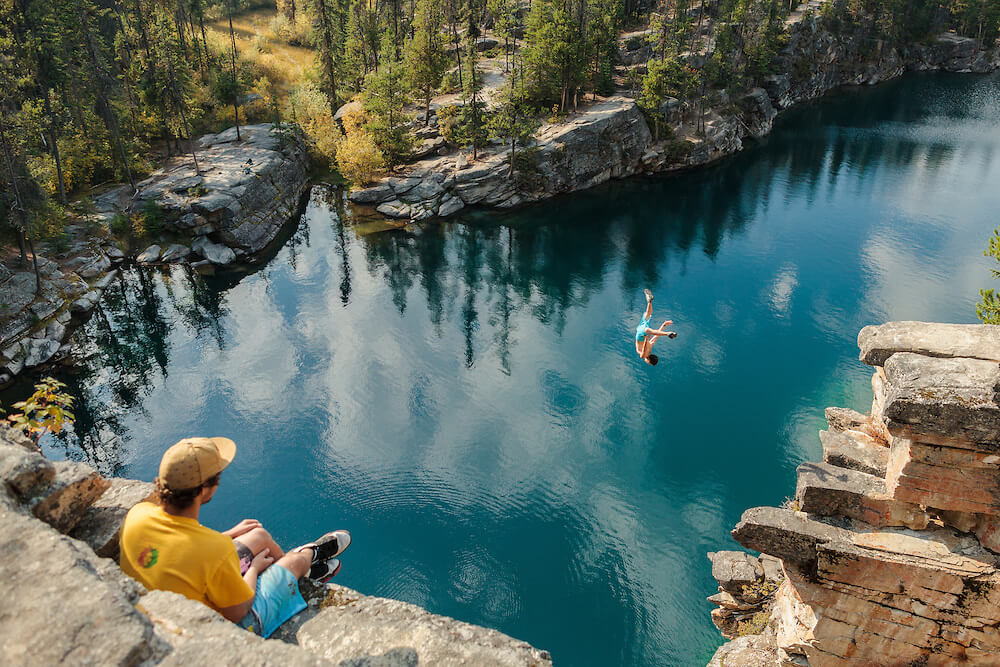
(827,490)
(975,341)
(943,400)
(851,450)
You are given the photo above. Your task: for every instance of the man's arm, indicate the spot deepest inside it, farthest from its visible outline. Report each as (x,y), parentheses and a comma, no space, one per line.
(242,528)
(260,563)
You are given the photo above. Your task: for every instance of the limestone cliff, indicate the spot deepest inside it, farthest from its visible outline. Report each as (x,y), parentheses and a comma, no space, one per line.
(890,550)
(67,602)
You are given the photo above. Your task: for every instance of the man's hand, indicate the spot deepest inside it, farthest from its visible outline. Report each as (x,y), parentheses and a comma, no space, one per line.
(242,528)
(262,560)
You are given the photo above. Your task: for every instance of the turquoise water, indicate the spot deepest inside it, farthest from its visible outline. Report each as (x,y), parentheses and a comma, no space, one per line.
(466,399)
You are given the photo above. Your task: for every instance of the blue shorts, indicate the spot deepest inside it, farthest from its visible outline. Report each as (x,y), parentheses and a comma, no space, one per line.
(277,600)
(640,331)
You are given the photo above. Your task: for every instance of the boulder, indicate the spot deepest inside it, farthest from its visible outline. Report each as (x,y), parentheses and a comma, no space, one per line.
(175,252)
(374,195)
(450,205)
(40,350)
(213,252)
(394,209)
(99,526)
(149,255)
(736,571)
(67,498)
(64,605)
(350,107)
(24,471)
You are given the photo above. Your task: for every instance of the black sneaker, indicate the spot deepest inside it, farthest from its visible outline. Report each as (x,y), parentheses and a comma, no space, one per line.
(329,546)
(324,571)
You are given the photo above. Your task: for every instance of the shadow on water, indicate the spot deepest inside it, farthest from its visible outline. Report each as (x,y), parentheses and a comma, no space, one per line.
(463,391)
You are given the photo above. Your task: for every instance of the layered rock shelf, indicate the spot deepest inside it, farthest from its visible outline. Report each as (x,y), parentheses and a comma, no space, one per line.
(244,191)
(67,602)
(611,138)
(890,550)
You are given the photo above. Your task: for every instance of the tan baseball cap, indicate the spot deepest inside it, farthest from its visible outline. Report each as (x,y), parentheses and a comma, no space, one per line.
(187,464)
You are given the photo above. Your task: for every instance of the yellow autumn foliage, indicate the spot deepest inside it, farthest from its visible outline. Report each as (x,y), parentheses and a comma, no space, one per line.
(358,158)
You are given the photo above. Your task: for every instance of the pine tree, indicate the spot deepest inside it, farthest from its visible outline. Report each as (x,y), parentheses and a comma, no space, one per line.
(473,131)
(513,119)
(383,98)
(426,59)
(328,36)
(236,81)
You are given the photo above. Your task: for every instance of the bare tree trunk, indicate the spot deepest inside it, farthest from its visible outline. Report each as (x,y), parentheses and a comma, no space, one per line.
(54,148)
(23,235)
(180,108)
(236,88)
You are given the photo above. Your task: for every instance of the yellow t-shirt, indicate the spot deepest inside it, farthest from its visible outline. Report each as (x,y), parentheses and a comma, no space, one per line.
(174,553)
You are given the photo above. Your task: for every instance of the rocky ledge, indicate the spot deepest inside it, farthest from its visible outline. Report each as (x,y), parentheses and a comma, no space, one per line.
(245,190)
(67,602)
(603,141)
(611,139)
(890,550)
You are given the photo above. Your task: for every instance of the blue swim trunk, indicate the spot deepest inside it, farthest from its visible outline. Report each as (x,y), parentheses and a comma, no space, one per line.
(277,600)
(640,331)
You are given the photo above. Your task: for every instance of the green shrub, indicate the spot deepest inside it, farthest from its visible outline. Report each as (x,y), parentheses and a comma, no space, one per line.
(152,218)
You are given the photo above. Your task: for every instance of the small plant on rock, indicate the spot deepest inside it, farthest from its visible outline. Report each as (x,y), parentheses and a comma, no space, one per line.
(48,409)
(753,625)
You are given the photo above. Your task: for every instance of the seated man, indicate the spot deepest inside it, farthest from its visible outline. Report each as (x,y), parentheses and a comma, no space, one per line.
(242,574)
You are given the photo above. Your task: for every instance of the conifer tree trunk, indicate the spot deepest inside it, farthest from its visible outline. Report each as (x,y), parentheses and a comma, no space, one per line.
(326,28)
(236,88)
(54,146)
(23,235)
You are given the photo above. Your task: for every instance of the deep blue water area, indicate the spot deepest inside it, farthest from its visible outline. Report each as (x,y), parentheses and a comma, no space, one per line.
(466,399)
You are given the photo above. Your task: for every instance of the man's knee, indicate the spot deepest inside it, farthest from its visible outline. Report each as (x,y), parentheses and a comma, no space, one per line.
(256,540)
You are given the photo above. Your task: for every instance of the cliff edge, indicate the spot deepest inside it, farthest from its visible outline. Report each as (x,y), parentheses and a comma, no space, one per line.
(890,549)
(67,602)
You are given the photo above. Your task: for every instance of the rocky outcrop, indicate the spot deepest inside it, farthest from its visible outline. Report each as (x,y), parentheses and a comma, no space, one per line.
(66,604)
(244,192)
(605,140)
(890,549)
(816,61)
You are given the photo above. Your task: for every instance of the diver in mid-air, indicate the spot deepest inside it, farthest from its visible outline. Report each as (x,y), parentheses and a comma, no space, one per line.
(645,337)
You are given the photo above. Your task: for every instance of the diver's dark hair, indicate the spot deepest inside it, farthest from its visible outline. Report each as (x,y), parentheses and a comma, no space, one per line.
(653,359)
(181,499)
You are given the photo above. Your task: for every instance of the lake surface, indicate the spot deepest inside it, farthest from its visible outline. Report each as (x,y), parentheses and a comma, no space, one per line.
(466,399)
